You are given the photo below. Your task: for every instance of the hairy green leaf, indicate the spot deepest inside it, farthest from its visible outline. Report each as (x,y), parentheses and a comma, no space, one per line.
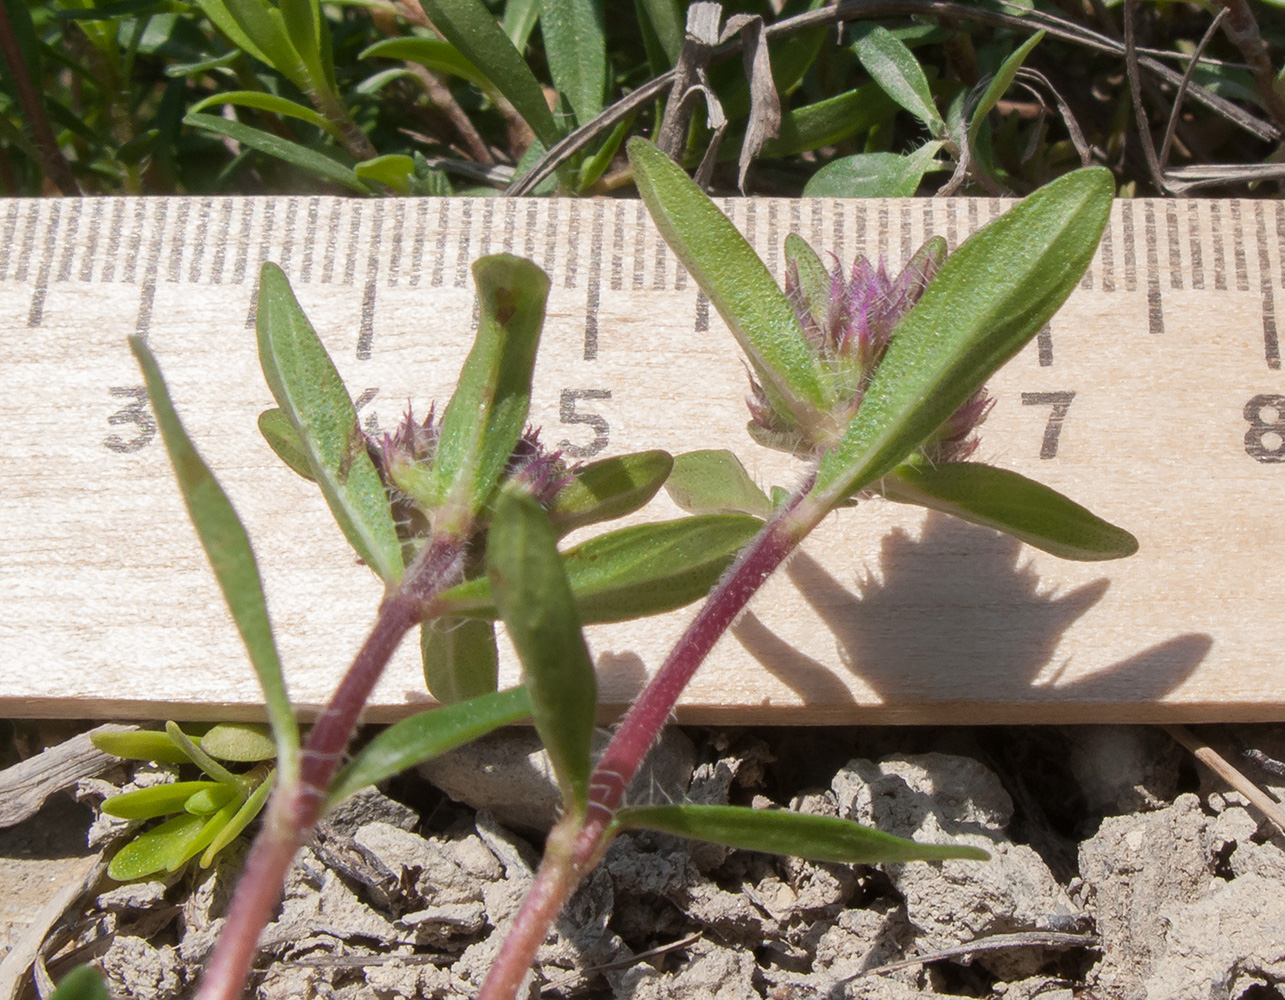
(280,434)
(736,281)
(473,30)
(895,68)
(228,549)
(991,296)
(715,482)
(534,599)
(799,835)
(1000,82)
(576,48)
(426,735)
(825,122)
(311,394)
(1011,503)
(642,570)
(609,488)
(488,411)
(873,175)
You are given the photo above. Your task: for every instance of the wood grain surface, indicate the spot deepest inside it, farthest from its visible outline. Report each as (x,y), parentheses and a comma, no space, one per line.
(1164,366)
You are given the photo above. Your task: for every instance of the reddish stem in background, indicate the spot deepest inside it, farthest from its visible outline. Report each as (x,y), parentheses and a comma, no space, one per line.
(576,844)
(295,809)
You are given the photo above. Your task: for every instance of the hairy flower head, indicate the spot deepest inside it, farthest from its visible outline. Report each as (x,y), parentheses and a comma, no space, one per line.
(849,318)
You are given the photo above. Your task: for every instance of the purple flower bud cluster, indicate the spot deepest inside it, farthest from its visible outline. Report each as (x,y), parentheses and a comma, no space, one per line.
(849,319)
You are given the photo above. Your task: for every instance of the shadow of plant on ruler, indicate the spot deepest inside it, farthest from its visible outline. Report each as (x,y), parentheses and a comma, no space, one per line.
(949,615)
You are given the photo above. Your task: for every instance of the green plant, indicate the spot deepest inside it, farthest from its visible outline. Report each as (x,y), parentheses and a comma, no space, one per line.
(877,381)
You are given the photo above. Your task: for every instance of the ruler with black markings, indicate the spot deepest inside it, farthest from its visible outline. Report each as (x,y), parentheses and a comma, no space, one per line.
(1155,398)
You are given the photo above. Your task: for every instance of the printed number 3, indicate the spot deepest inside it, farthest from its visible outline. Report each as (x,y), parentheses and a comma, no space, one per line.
(568,415)
(135,413)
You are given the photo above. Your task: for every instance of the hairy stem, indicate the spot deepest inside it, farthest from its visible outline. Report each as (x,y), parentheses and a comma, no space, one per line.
(576,844)
(295,808)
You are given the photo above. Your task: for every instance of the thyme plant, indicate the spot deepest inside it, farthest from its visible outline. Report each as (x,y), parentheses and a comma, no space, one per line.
(876,381)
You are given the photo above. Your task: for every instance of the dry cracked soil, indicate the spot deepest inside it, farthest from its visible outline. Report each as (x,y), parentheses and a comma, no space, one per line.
(1119,870)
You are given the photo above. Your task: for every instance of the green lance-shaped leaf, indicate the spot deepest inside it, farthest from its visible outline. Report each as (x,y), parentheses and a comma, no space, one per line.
(473,30)
(609,488)
(242,818)
(243,742)
(433,53)
(427,735)
(999,83)
(576,47)
(159,800)
(816,838)
(824,123)
(84,982)
(737,283)
(394,170)
(991,296)
(715,482)
(642,570)
(292,152)
(147,744)
(311,394)
(534,599)
(895,68)
(228,549)
(873,175)
(485,417)
(280,434)
(1013,504)
(664,21)
(460,658)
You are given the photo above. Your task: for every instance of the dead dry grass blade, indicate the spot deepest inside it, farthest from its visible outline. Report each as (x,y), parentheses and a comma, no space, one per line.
(1167,142)
(1135,91)
(1213,760)
(1057,940)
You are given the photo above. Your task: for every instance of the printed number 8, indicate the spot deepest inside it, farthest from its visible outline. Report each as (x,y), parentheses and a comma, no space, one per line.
(1259,428)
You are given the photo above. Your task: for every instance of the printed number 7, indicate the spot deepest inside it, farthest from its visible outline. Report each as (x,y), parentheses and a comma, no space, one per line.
(1060,403)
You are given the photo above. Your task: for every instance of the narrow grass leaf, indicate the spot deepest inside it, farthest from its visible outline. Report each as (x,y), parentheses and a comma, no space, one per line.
(895,68)
(873,175)
(667,22)
(594,167)
(1000,82)
(473,30)
(261,101)
(1013,504)
(427,735)
(432,53)
(991,296)
(609,488)
(715,482)
(228,549)
(142,745)
(218,12)
(642,570)
(534,599)
(311,394)
(460,657)
(487,413)
(242,742)
(519,21)
(159,800)
(283,149)
(736,281)
(798,835)
(576,48)
(280,434)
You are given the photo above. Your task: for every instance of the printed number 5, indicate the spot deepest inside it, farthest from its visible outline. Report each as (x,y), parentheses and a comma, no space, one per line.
(568,415)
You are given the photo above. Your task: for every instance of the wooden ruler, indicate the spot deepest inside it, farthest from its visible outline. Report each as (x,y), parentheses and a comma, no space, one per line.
(1156,398)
